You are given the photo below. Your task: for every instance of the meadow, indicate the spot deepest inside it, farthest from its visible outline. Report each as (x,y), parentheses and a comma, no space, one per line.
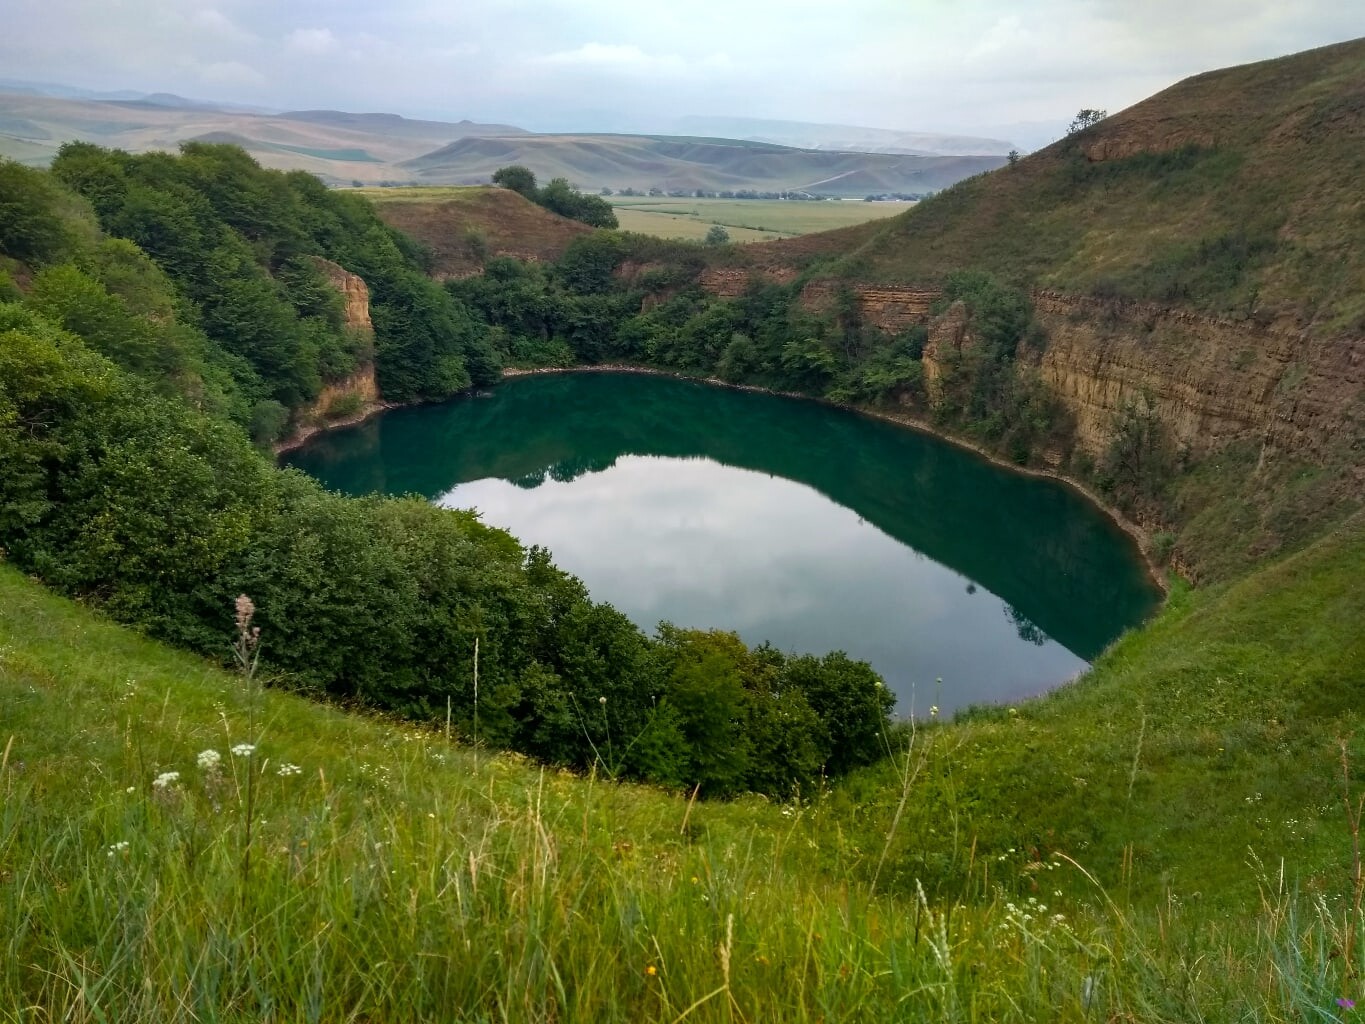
(746,220)
(178,843)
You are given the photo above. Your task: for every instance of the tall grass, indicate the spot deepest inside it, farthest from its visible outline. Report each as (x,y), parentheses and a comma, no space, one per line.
(395,877)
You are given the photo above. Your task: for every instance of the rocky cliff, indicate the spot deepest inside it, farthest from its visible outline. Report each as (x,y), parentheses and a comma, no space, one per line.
(1210,381)
(355,396)
(354,292)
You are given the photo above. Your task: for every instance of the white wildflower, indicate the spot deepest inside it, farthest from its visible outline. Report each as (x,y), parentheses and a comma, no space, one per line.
(117,848)
(244,750)
(288,769)
(165,779)
(209,759)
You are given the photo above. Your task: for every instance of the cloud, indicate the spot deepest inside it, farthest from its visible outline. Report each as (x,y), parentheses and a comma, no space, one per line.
(312,42)
(631,59)
(218,25)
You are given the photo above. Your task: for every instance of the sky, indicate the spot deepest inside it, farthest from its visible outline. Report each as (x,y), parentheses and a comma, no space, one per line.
(965,66)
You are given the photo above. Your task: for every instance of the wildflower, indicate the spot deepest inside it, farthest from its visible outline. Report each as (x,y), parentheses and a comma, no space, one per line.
(119,847)
(245,610)
(288,769)
(244,750)
(602,701)
(165,779)
(933,710)
(131,789)
(651,971)
(209,759)
(1346,1004)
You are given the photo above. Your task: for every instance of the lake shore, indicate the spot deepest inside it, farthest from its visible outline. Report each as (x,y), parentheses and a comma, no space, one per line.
(1139,535)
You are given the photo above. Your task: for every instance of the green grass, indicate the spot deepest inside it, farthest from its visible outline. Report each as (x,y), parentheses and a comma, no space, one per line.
(1193,774)
(747,220)
(422,193)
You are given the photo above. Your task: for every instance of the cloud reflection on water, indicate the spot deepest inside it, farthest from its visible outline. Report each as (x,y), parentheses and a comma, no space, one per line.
(707,545)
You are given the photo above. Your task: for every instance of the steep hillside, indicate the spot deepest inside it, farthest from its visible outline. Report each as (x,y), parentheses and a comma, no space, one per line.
(672,162)
(1235,193)
(465,227)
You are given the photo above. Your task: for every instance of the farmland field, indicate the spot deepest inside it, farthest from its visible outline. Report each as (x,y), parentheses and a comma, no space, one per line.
(747,220)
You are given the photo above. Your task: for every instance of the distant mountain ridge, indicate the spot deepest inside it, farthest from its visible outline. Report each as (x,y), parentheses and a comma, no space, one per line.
(686,163)
(843,137)
(346,147)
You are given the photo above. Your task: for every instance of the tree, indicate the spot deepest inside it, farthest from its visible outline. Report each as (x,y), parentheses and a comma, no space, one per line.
(1012,156)
(1086,118)
(717,235)
(518,179)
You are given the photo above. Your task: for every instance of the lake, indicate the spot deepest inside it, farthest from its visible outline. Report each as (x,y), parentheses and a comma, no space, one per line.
(810,527)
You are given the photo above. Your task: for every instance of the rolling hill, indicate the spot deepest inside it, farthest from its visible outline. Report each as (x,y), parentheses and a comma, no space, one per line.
(677,162)
(336,146)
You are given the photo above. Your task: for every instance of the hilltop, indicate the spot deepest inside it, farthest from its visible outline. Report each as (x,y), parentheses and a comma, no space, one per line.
(465,227)
(372,148)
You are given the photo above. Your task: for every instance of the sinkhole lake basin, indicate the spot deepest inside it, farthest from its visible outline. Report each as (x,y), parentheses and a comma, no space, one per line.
(787,521)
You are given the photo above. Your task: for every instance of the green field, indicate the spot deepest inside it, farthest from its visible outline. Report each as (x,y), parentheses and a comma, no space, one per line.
(747,220)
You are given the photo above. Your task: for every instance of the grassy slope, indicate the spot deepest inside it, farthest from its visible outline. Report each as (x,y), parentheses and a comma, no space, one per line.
(1207,737)
(1271,183)
(458,224)
(398,875)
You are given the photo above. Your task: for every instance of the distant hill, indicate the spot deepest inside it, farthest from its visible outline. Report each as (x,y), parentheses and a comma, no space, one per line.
(372,148)
(679,162)
(843,137)
(337,146)
(395,125)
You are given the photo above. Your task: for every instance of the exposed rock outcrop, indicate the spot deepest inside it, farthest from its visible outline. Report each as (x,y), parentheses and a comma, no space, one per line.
(355,396)
(948,335)
(889,308)
(732,282)
(1147,136)
(354,292)
(1210,381)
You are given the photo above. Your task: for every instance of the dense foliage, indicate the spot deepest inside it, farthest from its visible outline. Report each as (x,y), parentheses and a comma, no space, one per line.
(558,196)
(237,243)
(126,375)
(597,305)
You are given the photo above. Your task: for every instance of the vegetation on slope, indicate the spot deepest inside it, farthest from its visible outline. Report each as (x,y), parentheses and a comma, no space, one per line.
(349,868)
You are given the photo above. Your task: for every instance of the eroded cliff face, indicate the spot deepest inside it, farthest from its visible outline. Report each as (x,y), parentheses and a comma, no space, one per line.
(1209,381)
(889,308)
(357,395)
(948,335)
(1158,135)
(354,292)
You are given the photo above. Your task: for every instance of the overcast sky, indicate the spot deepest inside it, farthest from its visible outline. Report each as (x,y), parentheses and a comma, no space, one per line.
(956,65)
